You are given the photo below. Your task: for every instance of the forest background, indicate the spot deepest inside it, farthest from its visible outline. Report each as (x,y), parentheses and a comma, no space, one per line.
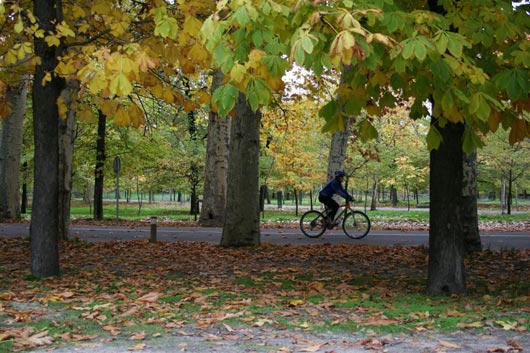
(457,80)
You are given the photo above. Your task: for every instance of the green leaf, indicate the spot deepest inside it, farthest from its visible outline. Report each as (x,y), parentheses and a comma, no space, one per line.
(275,64)
(307,44)
(442,72)
(441,41)
(222,57)
(241,16)
(258,93)
(434,138)
(408,49)
(329,110)
(420,51)
(479,106)
(225,98)
(455,47)
(447,101)
(471,141)
(367,131)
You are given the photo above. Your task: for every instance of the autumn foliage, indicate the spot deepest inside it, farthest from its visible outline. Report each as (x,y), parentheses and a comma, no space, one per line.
(116,287)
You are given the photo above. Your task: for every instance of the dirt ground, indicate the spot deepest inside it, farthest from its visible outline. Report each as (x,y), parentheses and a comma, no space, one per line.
(271,341)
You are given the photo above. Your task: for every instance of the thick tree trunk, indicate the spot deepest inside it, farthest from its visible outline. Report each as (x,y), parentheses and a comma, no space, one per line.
(446,236)
(10,150)
(99,173)
(469,204)
(214,193)
(44,219)
(339,141)
(241,227)
(66,152)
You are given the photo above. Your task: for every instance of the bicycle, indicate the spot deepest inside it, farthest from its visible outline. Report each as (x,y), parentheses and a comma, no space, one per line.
(355,224)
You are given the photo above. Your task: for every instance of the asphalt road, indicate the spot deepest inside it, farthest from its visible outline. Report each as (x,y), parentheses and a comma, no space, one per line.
(90,233)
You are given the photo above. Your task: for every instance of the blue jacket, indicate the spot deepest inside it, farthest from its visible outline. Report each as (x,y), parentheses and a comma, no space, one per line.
(335,187)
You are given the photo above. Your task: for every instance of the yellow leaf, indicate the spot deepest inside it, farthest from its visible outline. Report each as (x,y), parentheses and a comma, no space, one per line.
(109,108)
(475,324)
(98,82)
(120,85)
(11,58)
(101,7)
(65,69)
(52,41)
(144,61)
(198,53)
(19,26)
(296,302)
(136,115)
(121,118)
(77,11)
(86,115)
(63,109)
(192,25)
(238,73)
(47,78)
(64,30)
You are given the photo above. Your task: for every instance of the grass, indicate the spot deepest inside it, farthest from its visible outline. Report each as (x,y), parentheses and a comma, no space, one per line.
(181,212)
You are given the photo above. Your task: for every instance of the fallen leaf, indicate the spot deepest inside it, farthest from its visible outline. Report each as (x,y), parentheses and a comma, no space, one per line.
(449,344)
(138,347)
(138,336)
(150,297)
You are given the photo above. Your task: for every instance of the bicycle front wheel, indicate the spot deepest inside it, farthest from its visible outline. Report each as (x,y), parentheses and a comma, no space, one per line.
(356,224)
(313,224)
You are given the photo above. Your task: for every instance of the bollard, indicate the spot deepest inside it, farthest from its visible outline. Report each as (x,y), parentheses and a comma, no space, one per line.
(153,230)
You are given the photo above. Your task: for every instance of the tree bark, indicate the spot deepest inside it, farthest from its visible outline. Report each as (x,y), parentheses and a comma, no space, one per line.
(241,227)
(99,173)
(469,204)
(339,140)
(44,220)
(10,151)
(373,206)
(215,176)
(446,240)
(66,152)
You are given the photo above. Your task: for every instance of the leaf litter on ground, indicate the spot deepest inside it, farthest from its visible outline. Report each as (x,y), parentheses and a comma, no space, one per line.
(142,292)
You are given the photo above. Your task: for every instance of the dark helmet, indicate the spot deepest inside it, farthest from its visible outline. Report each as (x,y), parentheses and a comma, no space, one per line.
(339,173)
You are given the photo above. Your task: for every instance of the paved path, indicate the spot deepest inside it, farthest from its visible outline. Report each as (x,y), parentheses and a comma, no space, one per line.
(91,233)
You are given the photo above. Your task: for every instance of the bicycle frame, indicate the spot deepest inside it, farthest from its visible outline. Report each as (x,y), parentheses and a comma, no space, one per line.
(340,212)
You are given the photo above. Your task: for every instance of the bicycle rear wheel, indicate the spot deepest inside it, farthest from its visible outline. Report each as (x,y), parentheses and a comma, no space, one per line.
(356,225)
(313,224)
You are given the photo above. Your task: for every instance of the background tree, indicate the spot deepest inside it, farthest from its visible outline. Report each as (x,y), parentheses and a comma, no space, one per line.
(10,151)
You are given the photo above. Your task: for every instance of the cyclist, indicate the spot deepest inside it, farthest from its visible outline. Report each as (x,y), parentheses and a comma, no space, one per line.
(332,188)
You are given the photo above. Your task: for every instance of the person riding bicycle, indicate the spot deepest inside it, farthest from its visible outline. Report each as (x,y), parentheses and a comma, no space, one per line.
(332,188)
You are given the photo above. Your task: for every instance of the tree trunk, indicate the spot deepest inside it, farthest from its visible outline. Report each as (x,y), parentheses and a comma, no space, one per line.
(10,150)
(339,141)
(509,194)
(214,192)
(469,204)
(66,152)
(373,206)
(44,219)
(446,239)
(99,173)
(503,193)
(241,227)
(393,196)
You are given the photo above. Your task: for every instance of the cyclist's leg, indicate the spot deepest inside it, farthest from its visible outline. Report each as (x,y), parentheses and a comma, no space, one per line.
(331,204)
